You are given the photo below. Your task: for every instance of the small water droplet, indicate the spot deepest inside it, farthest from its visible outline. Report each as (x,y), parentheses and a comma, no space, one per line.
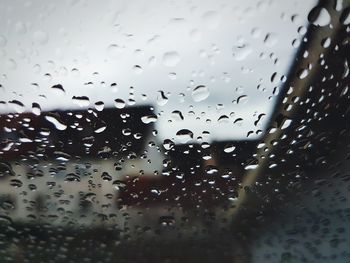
(58,89)
(176,115)
(16,183)
(271,39)
(241,52)
(137,69)
(36,109)
(211,19)
(106,177)
(184,135)
(229,148)
(149,118)
(171,58)
(200,93)
(345,16)
(17,105)
(82,101)
(168,144)
(211,169)
(40,37)
(55,120)
(118,184)
(114,51)
(167,221)
(72,177)
(3,41)
(251,167)
(99,106)
(161,98)
(242,100)
(119,103)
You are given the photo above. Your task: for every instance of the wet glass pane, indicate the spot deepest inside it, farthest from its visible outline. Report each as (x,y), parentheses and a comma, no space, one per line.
(174,131)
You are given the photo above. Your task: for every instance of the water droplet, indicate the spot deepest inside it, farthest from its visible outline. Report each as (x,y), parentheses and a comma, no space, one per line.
(36,109)
(118,184)
(167,221)
(171,58)
(195,35)
(319,16)
(303,73)
(211,169)
(114,51)
(20,28)
(16,183)
(251,167)
(3,41)
(223,119)
(161,98)
(17,105)
(271,39)
(229,148)
(241,100)
(126,132)
(55,120)
(137,69)
(149,118)
(200,93)
(11,64)
(286,123)
(119,103)
(211,19)
(172,75)
(100,128)
(59,89)
(5,220)
(184,135)
(177,115)
(82,101)
(40,37)
(72,177)
(168,144)
(106,177)
(99,106)
(241,52)
(345,16)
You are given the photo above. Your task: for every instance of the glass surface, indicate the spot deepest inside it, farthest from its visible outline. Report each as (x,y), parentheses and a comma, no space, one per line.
(174,131)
